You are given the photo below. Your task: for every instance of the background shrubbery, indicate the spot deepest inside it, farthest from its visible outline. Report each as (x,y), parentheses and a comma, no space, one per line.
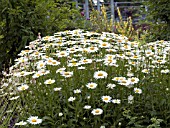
(21,20)
(157,19)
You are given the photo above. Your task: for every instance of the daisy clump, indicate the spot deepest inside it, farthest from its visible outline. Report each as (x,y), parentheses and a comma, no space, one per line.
(80,79)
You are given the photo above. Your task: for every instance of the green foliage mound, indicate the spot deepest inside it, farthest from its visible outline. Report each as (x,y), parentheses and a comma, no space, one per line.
(158,19)
(21,20)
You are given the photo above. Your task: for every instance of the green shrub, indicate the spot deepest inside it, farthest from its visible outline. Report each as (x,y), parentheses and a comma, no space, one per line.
(21,20)
(158,19)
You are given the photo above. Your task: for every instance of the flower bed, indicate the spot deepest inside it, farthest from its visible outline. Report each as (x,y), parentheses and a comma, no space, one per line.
(86,79)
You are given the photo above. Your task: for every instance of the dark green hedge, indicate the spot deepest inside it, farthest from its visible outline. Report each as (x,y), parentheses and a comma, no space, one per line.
(157,18)
(21,20)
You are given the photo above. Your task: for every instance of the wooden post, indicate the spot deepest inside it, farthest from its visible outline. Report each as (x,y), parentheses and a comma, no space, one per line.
(98,6)
(87,8)
(112,9)
(76,3)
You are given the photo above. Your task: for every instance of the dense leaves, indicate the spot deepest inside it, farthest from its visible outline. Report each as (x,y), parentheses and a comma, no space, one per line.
(158,19)
(20,22)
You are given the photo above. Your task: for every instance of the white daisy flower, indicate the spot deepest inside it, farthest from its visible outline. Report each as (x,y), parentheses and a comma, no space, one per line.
(106,99)
(49,81)
(62,54)
(34,120)
(97,111)
(85,61)
(133,80)
(77,91)
(23,87)
(87,107)
(92,49)
(138,90)
(104,45)
(111,86)
(21,123)
(67,74)
(60,70)
(145,71)
(71,99)
(100,74)
(124,82)
(116,101)
(36,75)
(41,65)
(81,67)
(130,99)
(91,85)
(14,98)
(165,71)
(60,114)
(57,89)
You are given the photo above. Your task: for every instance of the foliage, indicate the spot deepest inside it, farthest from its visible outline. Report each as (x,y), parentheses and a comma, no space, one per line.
(100,21)
(125,27)
(56,79)
(157,14)
(20,22)
(7,108)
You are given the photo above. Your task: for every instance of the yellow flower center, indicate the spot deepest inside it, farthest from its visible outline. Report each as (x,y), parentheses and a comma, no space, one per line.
(133,62)
(22,73)
(49,61)
(97,111)
(26,50)
(137,91)
(59,43)
(110,60)
(100,74)
(22,88)
(38,74)
(132,80)
(123,81)
(36,53)
(135,57)
(66,73)
(54,62)
(49,82)
(85,61)
(34,120)
(91,48)
(106,98)
(159,61)
(62,53)
(125,46)
(41,65)
(91,85)
(117,78)
(72,50)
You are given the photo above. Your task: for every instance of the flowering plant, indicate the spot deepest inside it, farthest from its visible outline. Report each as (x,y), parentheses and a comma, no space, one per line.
(71,80)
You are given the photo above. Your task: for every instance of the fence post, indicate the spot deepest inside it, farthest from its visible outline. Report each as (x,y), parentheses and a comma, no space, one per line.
(76,3)
(87,9)
(98,6)
(112,9)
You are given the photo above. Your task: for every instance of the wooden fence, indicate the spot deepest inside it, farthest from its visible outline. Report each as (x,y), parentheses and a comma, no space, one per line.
(125,7)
